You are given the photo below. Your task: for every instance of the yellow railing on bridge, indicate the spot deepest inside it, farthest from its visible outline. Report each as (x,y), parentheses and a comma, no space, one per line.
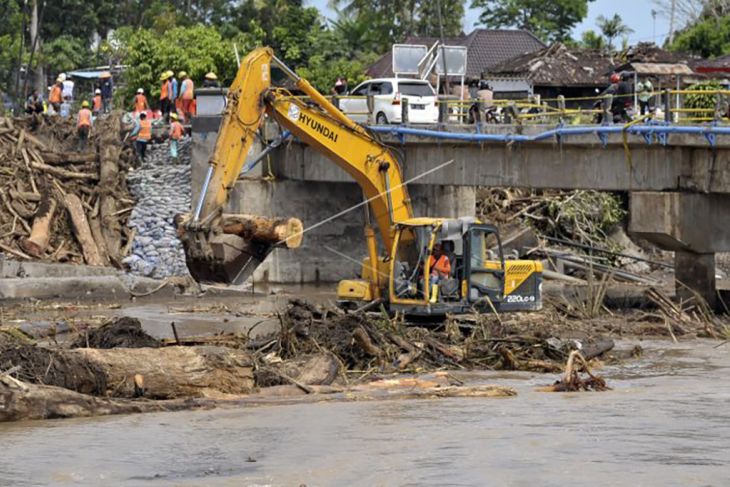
(668,105)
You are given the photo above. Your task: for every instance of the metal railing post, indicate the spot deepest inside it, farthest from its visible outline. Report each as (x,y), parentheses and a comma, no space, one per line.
(607,114)
(443,111)
(404,110)
(561,106)
(371,109)
(667,105)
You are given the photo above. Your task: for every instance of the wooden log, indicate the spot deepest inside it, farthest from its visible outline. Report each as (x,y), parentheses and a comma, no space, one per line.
(172,372)
(54,158)
(20,401)
(40,233)
(25,195)
(110,150)
(82,231)
(95,225)
(272,230)
(63,173)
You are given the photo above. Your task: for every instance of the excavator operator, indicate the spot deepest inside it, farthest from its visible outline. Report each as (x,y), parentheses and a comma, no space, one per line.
(439,264)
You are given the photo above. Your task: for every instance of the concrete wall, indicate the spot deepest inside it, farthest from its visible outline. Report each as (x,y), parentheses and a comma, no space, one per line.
(577,162)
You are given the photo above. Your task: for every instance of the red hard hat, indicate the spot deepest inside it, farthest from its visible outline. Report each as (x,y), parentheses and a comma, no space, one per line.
(615,78)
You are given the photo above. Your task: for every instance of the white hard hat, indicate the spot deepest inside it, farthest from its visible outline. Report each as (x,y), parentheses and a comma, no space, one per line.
(140,91)
(62,76)
(97,92)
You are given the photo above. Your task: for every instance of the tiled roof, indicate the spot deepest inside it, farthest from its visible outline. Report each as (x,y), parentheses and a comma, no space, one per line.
(485,48)
(558,66)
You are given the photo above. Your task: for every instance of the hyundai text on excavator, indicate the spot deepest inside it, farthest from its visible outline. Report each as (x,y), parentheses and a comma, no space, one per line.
(480,277)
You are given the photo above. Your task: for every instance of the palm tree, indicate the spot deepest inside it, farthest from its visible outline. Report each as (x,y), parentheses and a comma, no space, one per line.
(612,28)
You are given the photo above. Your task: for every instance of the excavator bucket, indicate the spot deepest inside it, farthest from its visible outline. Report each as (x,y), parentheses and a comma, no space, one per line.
(232,248)
(228,259)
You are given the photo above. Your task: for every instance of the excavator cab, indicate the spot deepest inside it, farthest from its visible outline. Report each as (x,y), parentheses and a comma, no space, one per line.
(479,278)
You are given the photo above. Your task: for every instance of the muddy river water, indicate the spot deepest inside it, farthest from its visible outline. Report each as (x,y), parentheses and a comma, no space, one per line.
(667,422)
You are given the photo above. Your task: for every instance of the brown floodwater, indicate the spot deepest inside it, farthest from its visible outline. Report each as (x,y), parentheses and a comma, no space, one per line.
(667,422)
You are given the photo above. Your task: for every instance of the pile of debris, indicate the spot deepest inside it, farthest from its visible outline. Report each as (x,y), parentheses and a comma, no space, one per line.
(585,217)
(59,203)
(367,344)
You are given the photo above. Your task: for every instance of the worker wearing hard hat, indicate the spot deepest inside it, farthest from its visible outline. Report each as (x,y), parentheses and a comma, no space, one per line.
(211,81)
(83,125)
(97,105)
(176,133)
(107,86)
(187,93)
(140,102)
(166,94)
(141,134)
(55,97)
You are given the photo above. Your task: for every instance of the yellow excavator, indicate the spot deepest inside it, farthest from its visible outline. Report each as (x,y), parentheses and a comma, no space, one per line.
(401,278)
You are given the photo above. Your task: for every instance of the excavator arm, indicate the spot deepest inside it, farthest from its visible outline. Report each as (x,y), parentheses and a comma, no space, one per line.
(214,256)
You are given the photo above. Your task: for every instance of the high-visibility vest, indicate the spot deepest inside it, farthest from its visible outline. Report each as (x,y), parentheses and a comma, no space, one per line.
(97,103)
(176,131)
(164,91)
(442,265)
(188,89)
(140,103)
(145,130)
(55,96)
(84,119)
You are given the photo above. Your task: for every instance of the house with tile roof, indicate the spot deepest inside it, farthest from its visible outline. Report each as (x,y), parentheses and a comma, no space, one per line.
(552,71)
(485,48)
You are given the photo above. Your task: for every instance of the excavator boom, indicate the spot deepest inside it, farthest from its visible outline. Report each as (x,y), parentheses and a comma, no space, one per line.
(215,256)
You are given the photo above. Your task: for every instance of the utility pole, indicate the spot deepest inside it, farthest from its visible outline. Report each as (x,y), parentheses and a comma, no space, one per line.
(443,51)
(653,26)
(672,14)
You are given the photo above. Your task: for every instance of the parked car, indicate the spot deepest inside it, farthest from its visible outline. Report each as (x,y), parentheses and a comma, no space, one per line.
(388,95)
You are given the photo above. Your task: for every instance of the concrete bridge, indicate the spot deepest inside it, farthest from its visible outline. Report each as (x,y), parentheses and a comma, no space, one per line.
(678,179)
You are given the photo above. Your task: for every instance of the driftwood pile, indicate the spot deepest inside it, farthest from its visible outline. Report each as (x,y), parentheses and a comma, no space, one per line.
(581,216)
(371,344)
(58,203)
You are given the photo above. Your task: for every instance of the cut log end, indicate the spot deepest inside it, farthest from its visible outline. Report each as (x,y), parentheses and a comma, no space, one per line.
(288,232)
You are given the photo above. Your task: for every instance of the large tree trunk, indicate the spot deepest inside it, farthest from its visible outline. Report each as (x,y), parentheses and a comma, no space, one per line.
(171,372)
(40,234)
(20,401)
(98,234)
(82,230)
(271,230)
(108,178)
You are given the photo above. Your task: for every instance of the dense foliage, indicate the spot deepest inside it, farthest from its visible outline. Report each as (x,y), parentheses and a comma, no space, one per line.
(708,38)
(551,21)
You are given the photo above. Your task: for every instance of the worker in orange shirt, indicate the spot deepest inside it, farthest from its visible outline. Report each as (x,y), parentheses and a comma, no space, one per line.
(56,96)
(176,133)
(141,134)
(98,105)
(140,102)
(83,125)
(166,94)
(187,94)
(439,264)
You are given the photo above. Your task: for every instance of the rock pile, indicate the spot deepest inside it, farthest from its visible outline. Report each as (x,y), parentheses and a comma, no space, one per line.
(162,190)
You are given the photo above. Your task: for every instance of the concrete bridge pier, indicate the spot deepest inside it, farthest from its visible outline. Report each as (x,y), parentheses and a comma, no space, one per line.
(693,225)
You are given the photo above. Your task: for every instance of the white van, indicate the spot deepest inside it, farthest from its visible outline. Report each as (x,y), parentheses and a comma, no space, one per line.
(388,95)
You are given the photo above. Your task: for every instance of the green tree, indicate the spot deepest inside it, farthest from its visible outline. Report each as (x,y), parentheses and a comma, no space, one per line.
(549,20)
(591,40)
(196,50)
(612,28)
(392,20)
(708,38)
